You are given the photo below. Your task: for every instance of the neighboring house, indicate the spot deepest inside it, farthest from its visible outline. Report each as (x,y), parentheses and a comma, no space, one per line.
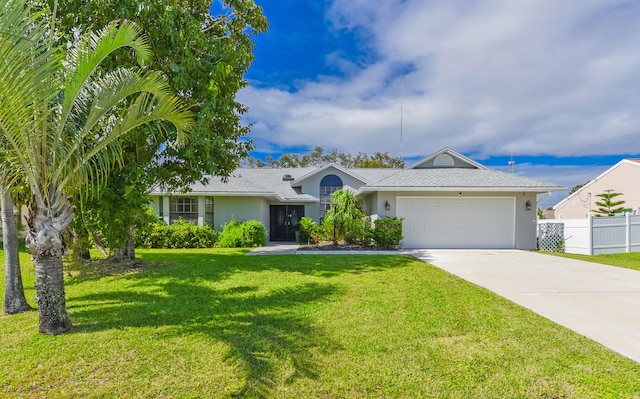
(622,177)
(446,200)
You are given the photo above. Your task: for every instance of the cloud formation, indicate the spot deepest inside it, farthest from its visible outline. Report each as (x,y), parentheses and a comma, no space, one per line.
(485,77)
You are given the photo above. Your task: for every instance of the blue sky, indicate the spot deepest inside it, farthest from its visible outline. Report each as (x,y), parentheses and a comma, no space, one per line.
(555,85)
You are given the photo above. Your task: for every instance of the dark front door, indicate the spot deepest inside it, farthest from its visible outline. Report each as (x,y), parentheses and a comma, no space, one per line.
(284,221)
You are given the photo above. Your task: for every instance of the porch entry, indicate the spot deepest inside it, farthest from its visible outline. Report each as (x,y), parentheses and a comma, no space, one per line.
(284,221)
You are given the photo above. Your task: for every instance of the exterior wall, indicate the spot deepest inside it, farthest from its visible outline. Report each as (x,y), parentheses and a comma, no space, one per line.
(622,178)
(311,186)
(370,204)
(242,208)
(312,210)
(525,221)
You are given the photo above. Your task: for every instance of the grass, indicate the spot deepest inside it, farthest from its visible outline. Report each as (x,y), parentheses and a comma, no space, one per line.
(215,323)
(630,260)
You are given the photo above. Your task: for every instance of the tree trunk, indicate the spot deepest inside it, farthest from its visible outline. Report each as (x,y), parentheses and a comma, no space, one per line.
(118,255)
(130,250)
(47,247)
(52,308)
(14,300)
(80,244)
(98,242)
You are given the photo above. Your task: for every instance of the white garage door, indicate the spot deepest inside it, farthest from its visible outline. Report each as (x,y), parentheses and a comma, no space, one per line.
(457,222)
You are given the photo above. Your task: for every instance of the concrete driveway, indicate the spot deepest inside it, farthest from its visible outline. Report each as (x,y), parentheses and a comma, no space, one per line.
(598,301)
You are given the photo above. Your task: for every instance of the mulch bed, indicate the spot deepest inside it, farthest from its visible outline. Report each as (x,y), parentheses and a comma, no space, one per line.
(329,246)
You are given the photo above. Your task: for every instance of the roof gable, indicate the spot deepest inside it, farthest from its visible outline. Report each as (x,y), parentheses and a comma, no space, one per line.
(587,186)
(446,158)
(298,182)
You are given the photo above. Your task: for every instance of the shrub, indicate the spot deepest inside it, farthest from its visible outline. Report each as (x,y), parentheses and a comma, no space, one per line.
(180,234)
(251,233)
(387,233)
(254,233)
(309,231)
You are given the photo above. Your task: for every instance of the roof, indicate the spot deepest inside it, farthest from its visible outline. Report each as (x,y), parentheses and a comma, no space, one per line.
(451,179)
(631,161)
(458,160)
(264,182)
(426,175)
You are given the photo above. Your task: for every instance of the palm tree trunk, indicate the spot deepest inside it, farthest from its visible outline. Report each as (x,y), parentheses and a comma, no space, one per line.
(52,308)
(47,247)
(14,300)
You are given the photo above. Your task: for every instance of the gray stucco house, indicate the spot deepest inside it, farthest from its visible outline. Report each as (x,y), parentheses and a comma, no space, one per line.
(446,200)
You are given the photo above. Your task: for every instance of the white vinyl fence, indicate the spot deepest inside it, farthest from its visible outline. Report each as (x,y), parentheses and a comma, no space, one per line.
(594,236)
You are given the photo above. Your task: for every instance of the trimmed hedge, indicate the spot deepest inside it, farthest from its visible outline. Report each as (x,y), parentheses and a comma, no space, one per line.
(180,234)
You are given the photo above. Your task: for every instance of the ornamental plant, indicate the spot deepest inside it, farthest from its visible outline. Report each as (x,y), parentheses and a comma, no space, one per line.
(387,233)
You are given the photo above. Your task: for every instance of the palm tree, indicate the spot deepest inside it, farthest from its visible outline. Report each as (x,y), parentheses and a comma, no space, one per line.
(14,299)
(62,116)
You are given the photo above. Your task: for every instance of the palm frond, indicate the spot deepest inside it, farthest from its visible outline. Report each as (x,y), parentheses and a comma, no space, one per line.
(91,51)
(98,127)
(60,124)
(29,71)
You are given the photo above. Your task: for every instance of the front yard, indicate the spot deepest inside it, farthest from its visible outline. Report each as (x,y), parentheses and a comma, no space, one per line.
(215,323)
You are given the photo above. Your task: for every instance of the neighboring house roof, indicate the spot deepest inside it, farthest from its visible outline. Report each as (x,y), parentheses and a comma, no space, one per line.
(587,186)
(446,170)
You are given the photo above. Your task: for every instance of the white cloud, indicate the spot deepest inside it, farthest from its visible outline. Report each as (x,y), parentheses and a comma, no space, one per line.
(489,76)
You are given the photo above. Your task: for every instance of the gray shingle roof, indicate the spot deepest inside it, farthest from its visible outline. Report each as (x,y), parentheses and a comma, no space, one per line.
(268,182)
(255,182)
(454,178)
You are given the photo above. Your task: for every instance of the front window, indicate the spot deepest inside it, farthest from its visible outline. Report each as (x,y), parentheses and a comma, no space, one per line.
(208,211)
(328,185)
(183,207)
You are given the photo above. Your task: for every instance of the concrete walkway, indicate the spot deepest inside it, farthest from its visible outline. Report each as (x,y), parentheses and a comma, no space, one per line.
(598,301)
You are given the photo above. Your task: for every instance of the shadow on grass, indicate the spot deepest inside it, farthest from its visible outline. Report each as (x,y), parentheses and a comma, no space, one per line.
(266,325)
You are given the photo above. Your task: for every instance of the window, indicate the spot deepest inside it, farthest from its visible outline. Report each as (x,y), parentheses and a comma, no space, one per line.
(208,211)
(183,207)
(328,185)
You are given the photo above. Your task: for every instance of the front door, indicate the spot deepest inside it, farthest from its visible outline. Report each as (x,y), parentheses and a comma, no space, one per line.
(284,221)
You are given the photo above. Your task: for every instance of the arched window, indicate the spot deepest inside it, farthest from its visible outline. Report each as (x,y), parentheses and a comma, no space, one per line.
(328,185)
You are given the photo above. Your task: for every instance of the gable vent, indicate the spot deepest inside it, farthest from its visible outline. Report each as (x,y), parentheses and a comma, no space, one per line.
(444,160)
(287,177)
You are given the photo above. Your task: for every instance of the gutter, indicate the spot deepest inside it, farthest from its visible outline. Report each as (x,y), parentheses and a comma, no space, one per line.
(543,199)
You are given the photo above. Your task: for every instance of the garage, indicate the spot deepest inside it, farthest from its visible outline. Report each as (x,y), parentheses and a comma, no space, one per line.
(458,222)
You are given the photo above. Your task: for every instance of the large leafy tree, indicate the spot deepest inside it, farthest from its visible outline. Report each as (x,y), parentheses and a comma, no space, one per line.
(61,119)
(204,57)
(318,157)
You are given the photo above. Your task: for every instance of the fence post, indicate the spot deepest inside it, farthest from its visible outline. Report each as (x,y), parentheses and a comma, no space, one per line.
(590,229)
(628,231)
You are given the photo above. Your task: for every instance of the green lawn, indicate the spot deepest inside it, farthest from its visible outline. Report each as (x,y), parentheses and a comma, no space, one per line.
(218,324)
(629,260)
